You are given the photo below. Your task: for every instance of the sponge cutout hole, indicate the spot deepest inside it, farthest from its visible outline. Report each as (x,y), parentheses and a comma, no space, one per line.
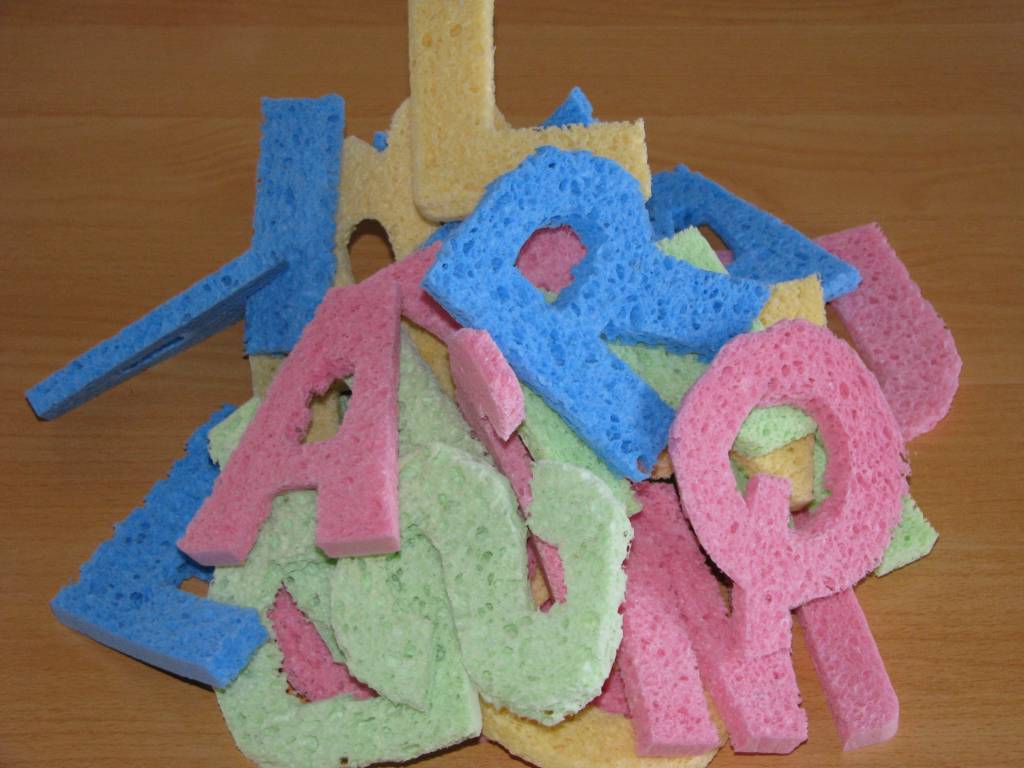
(548,256)
(327,411)
(155,355)
(369,249)
(542,590)
(796,457)
(713,238)
(311,672)
(194,586)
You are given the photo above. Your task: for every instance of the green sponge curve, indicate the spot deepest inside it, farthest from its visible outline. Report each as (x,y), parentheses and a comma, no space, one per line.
(448,488)
(370,592)
(452,464)
(544,666)
(549,438)
(274,728)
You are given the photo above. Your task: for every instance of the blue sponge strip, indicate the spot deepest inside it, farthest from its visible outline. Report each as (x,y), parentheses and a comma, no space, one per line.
(575,109)
(214,303)
(296,204)
(127,594)
(625,289)
(764,248)
(380,140)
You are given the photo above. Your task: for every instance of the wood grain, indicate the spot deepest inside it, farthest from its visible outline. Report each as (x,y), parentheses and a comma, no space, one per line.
(128,144)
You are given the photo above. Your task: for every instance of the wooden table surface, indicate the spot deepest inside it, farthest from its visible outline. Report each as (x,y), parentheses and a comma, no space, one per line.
(128,146)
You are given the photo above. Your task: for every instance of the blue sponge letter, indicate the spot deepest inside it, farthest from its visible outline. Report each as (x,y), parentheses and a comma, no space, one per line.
(296,203)
(764,248)
(625,289)
(127,595)
(277,285)
(575,109)
(214,303)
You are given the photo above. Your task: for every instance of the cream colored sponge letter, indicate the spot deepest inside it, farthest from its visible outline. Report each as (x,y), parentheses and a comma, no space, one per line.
(456,148)
(377,184)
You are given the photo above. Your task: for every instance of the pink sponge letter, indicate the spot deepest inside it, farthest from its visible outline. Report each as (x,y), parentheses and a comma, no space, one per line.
(757,697)
(863,703)
(355,331)
(486,380)
(897,331)
(775,567)
(417,304)
(659,667)
(491,401)
(613,694)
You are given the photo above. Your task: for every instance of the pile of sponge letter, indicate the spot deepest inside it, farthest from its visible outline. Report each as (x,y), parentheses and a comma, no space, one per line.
(560,403)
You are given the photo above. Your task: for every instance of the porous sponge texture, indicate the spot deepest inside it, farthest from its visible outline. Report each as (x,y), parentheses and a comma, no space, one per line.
(274,728)
(541,665)
(355,332)
(689,245)
(435,354)
(913,537)
(296,204)
(591,739)
(556,349)
(491,401)
(377,185)
(769,429)
(658,663)
(369,591)
(417,305)
(671,375)
(795,299)
(224,439)
(549,438)
(793,461)
(488,393)
(456,149)
(613,694)
(576,109)
(859,693)
(548,256)
(426,414)
(803,365)
(427,481)
(897,331)
(308,664)
(768,435)
(764,248)
(127,593)
(758,698)
(486,379)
